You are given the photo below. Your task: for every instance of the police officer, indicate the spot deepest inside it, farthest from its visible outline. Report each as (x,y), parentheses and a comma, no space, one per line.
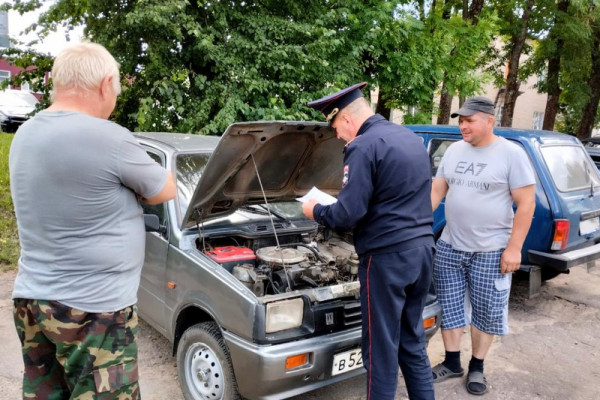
(385,200)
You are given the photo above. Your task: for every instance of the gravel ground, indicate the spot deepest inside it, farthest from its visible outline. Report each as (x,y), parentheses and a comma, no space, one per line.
(552,352)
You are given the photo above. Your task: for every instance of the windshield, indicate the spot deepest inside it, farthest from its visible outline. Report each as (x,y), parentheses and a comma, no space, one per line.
(570,167)
(189,170)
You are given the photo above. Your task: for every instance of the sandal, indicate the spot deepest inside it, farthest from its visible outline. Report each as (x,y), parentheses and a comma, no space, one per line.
(441,373)
(476,383)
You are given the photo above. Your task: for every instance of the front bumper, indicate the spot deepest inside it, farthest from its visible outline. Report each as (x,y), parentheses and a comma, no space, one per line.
(260,369)
(564,261)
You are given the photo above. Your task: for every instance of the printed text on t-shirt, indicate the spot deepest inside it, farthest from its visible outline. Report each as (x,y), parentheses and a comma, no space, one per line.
(463,167)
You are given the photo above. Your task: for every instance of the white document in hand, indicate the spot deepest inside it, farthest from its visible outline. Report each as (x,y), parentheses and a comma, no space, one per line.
(320,196)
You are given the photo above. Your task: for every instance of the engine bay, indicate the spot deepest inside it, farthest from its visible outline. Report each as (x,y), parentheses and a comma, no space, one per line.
(270,265)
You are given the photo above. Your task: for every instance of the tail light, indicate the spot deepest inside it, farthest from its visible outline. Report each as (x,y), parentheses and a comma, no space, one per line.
(561,234)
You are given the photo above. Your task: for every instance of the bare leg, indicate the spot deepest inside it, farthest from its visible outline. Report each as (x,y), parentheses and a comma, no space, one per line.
(451,338)
(450,367)
(480,341)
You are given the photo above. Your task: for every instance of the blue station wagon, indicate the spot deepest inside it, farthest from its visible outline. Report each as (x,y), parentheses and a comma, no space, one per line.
(258,301)
(565,231)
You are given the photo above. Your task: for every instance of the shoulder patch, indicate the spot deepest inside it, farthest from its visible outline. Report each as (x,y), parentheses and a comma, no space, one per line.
(346,172)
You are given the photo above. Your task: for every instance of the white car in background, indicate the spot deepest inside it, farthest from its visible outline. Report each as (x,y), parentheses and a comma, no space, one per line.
(16,107)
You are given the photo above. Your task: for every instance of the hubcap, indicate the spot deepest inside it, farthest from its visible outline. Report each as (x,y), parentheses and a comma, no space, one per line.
(204,372)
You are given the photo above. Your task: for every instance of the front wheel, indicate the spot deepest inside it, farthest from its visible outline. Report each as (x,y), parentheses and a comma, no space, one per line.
(204,365)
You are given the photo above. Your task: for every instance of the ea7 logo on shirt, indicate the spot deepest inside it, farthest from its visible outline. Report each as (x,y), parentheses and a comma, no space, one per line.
(463,167)
(346,172)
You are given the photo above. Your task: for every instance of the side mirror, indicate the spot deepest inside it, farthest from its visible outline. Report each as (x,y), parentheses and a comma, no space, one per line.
(152,223)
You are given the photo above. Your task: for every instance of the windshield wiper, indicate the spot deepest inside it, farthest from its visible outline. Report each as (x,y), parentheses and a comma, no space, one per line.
(275,213)
(262,210)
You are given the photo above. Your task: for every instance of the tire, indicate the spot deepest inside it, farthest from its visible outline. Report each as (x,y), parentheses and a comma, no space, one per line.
(204,365)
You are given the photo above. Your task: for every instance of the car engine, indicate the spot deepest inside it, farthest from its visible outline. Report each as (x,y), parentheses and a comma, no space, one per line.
(298,263)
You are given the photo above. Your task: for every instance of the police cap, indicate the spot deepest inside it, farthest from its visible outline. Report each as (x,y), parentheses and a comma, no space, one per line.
(334,103)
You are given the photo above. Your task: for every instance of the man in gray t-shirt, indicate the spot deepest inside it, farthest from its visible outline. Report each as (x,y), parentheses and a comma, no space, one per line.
(480,176)
(75,181)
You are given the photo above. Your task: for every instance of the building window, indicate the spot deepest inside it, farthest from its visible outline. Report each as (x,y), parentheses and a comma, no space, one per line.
(4,75)
(538,120)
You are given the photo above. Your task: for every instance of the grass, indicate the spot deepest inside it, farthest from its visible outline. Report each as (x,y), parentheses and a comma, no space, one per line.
(9,240)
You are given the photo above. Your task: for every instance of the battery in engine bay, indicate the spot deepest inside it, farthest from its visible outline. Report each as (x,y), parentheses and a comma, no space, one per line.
(230,256)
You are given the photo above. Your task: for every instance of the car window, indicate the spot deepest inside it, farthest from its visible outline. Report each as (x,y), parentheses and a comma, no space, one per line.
(570,167)
(156,209)
(591,142)
(291,209)
(190,167)
(437,148)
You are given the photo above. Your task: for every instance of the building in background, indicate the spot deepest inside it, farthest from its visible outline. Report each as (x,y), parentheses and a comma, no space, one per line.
(4,41)
(7,70)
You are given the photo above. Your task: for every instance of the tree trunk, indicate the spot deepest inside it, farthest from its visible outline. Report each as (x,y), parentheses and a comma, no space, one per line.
(512,80)
(386,112)
(445,104)
(588,116)
(554,89)
(554,92)
(475,11)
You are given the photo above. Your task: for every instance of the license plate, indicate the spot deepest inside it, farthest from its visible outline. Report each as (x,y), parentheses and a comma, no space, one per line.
(589,225)
(347,361)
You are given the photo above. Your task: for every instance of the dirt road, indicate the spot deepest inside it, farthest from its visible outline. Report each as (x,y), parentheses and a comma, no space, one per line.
(552,352)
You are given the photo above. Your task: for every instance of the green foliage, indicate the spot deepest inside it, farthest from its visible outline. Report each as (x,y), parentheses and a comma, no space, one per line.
(510,13)
(9,240)
(193,66)
(574,28)
(414,52)
(35,66)
(197,66)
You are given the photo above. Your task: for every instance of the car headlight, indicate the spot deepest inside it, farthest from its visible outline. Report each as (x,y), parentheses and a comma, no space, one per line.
(286,314)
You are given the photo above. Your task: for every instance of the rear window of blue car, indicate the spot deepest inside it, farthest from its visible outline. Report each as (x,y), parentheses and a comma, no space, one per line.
(570,167)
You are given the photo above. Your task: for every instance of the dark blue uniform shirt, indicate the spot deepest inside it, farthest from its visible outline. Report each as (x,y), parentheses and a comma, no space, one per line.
(386,194)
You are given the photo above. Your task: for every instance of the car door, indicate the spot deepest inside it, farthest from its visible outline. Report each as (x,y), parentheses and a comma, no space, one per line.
(577,188)
(153,284)
(436,148)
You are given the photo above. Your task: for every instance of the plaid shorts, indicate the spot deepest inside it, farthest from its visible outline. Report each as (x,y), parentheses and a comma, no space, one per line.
(456,273)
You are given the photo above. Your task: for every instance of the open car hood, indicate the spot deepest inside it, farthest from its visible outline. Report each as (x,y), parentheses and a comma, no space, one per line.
(290,157)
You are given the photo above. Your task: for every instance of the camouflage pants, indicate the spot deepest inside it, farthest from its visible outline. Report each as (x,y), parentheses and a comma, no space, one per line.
(72,354)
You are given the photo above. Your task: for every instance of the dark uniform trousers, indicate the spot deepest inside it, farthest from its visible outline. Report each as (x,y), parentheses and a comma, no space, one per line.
(394,289)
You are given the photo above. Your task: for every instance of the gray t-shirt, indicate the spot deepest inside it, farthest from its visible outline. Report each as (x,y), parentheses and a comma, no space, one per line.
(74,180)
(479,213)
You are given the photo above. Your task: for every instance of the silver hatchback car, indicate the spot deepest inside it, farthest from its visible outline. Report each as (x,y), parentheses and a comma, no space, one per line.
(258,301)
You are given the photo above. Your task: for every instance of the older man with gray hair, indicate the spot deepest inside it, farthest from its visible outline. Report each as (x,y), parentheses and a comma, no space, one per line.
(76,179)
